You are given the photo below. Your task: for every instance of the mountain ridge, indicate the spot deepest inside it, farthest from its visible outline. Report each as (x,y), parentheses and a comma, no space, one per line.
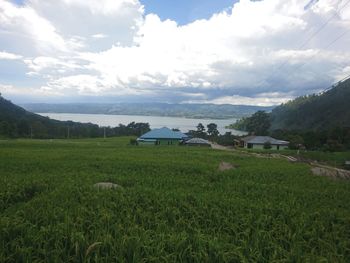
(200,111)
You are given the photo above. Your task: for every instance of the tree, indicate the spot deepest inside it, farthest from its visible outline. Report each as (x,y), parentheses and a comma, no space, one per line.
(200,127)
(200,131)
(259,123)
(295,141)
(227,139)
(267,145)
(212,130)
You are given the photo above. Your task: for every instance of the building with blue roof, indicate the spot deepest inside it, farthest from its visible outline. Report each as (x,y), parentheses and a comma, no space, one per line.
(162,136)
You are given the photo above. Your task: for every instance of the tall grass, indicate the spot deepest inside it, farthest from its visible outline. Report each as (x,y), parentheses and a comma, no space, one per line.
(174,206)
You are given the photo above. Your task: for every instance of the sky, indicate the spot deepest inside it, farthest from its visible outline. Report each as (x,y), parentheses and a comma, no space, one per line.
(188,51)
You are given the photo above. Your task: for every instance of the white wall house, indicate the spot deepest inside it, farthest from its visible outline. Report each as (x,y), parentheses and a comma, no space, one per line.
(258,142)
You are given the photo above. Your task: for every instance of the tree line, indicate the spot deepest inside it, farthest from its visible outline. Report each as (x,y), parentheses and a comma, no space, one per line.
(45,129)
(210,132)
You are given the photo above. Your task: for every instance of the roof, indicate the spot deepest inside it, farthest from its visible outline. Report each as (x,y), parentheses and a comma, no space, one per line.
(247,138)
(263,140)
(197,141)
(163,133)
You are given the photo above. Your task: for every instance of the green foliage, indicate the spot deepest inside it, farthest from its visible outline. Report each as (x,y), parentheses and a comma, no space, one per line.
(336,159)
(258,124)
(295,141)
(226,139)
(200,131)
(212,130)
(240,125)
(316,121)
(315,112)
(175,206)
(335,139)
(133,141)
(267,145)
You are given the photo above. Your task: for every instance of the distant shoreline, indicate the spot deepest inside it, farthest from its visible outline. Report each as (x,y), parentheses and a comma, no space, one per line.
(145,115)
(188,111)
(113,120)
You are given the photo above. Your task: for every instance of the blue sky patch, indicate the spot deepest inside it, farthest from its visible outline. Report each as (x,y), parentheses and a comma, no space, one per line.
(186,11)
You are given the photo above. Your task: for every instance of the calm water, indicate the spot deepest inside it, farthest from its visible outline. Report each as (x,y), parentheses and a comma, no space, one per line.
(183,124)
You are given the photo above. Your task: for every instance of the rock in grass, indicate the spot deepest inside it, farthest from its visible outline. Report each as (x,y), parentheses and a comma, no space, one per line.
(224,166)
(107,185)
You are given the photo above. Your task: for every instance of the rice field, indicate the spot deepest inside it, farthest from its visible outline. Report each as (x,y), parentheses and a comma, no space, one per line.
(174,205)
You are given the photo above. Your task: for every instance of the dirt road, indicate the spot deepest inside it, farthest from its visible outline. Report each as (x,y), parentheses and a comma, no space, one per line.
(316,168)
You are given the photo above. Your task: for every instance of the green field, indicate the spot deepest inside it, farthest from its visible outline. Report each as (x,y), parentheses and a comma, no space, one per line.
(335,159)
(174,206)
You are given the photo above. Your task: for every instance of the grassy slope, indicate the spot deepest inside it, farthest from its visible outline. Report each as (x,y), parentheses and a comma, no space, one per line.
(335,159)
(175,205)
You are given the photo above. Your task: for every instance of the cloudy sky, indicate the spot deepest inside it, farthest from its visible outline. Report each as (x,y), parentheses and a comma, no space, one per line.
(188,51)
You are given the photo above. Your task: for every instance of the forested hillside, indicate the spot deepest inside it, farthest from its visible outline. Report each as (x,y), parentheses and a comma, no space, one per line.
(16,122)
(315,112)
(319,121)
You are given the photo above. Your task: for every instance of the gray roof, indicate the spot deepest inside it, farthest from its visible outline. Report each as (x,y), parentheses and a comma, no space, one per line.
(263,140)
(197,141)
(163,133)
(247,138)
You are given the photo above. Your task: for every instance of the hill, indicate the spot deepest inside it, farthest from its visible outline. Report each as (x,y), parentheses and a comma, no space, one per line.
(17,122)
(315,112)
(200,111)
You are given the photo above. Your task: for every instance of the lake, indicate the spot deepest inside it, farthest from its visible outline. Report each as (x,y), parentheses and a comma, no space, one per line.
(184,124)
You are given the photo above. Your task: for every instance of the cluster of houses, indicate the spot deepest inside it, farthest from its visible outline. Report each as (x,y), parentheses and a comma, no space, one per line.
(166,136)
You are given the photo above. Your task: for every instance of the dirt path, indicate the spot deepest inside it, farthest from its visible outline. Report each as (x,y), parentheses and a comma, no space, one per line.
(316,168)
(220,147)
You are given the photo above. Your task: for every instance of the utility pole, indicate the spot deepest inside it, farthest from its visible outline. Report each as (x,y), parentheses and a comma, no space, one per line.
(68,132)
(104,133)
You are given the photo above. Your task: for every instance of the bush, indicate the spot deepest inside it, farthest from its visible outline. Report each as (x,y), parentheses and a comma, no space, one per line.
(133,142)
(267,145)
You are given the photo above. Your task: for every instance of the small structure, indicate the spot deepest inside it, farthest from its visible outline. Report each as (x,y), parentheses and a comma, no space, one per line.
(198,142)
(259,142)
(162,136)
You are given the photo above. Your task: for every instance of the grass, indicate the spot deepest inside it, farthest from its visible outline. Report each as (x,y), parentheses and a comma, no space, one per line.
(332,158)
(175,205)
(336,159)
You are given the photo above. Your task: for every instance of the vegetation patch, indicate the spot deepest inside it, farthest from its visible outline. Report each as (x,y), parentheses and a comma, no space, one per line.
(177,208)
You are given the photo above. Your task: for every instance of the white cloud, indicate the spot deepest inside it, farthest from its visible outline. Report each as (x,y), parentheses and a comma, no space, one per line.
(23,24)
(97,18)
(51,65)
(9,56)
(263,99)
(99,36)
(104,47)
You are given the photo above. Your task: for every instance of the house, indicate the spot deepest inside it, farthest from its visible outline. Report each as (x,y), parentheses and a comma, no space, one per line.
(162,136)
(258,142)
(198,142)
